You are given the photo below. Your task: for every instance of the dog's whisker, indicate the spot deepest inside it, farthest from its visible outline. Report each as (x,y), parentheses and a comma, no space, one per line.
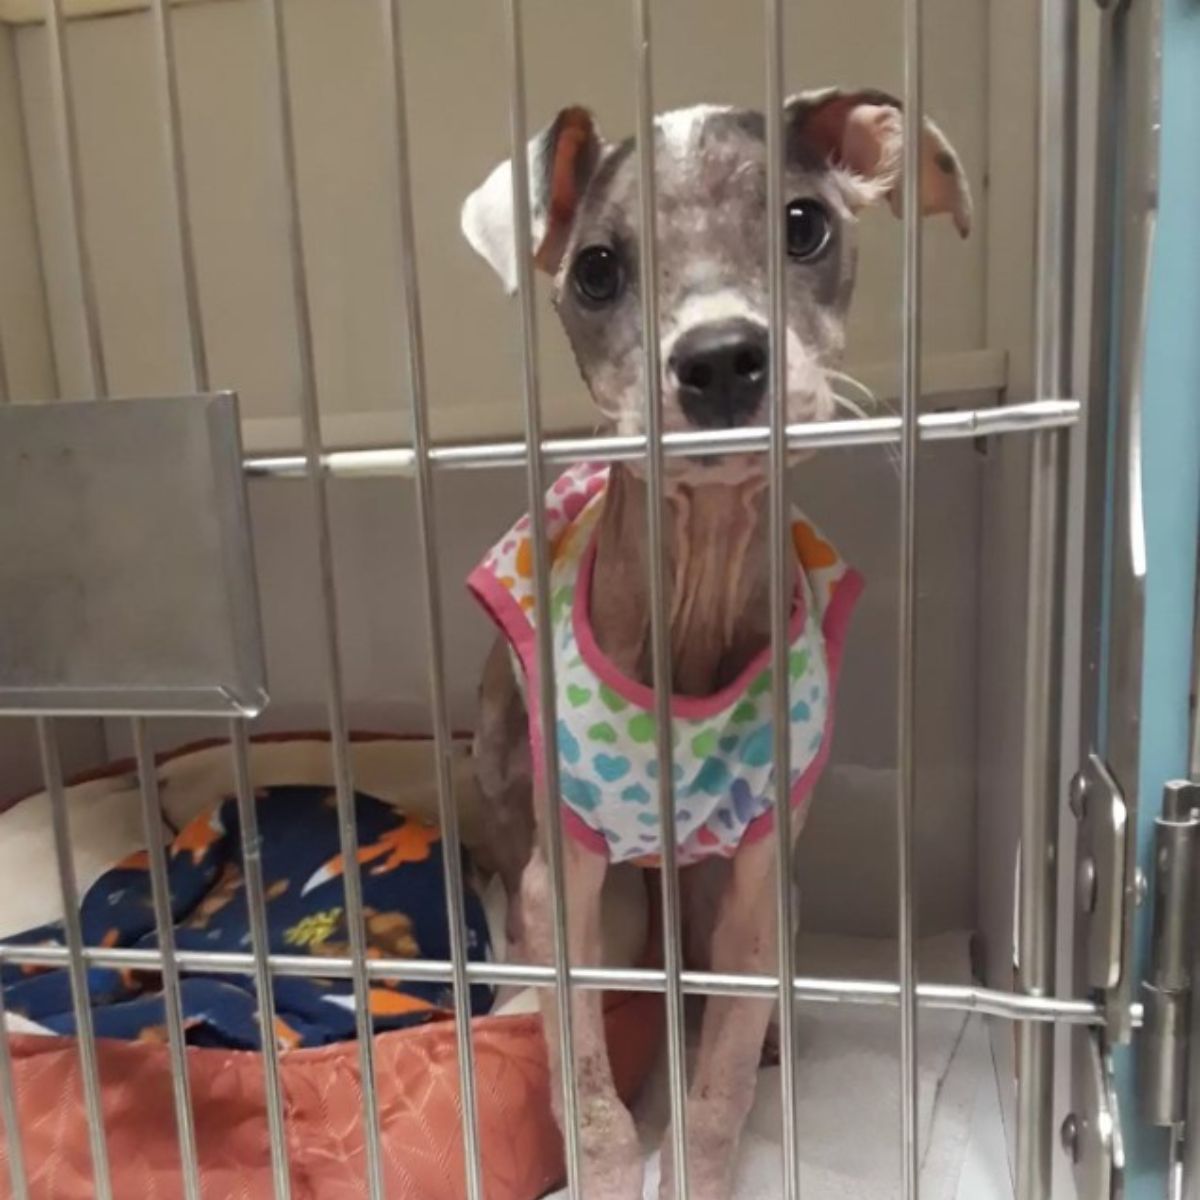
(891,451)
(872,400)
(848,404)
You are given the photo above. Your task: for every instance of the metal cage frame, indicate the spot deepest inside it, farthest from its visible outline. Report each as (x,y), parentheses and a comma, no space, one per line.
(1047,420)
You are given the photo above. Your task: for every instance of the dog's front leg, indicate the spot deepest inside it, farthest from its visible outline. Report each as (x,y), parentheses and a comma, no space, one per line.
(734,1028)
(611,1155)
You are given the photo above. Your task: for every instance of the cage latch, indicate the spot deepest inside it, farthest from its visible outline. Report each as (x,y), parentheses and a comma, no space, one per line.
(1166,993)
(1091,1133)
(1100,807)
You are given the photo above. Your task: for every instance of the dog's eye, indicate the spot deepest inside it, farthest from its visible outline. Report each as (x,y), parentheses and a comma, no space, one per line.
(809,229)
(596,274)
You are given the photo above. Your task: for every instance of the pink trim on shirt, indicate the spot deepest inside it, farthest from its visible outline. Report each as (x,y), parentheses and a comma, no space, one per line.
(837,618)
(574,825)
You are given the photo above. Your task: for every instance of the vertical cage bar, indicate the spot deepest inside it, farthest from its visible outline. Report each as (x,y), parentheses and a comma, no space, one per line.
(781,589)
(260,947)
(535,477)
(62,89)
(164,45)
(660,606)
(1039,821)
(76,968)
(322,532)
(5,386)
(10,1112)
(160,886)
(1040,784)
(435,630)
(906,713)
(1176,1159)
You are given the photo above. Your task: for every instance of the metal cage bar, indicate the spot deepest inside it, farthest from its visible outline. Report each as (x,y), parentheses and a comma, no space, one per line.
(1009,1006)
(164,48)
(781,589)
(323,537)
(5,384)
(1039,818)
(1041,761)
(435,631)
(10,1114)
(244,791)
(906,669)
(256,909)
(160,887)
(546,704)
(660,603)
(62,92)
(817,435)
(77,967)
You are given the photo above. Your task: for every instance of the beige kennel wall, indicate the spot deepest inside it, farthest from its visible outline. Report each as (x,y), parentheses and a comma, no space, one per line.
(978,60)
(577,51)
(23,315)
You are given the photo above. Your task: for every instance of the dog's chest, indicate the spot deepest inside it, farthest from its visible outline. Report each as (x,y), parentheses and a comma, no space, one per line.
(716,631)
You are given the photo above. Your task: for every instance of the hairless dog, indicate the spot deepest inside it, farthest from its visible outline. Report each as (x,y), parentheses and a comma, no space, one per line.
(842,154)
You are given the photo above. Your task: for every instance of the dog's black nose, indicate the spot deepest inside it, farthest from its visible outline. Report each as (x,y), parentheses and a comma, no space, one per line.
(721,372)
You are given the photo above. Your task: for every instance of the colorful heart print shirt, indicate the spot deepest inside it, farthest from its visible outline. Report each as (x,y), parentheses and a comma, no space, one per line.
(608,765)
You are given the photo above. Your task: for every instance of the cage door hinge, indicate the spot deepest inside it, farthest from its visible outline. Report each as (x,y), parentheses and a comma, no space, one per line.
(1166,993)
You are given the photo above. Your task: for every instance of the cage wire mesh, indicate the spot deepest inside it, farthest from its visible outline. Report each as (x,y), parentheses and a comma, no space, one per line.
(1046,419)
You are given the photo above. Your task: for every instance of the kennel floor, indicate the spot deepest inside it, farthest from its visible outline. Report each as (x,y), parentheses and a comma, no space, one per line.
(848,1092)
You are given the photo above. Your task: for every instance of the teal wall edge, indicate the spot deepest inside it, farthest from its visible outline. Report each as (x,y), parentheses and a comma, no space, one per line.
(1171,480)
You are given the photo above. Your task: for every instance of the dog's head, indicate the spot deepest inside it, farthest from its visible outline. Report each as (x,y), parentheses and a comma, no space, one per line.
(843,152)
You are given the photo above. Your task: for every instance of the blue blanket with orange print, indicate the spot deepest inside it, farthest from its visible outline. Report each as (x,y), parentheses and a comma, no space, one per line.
(404,902)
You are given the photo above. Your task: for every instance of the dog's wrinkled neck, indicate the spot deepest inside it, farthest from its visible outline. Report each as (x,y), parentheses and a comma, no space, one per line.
(716,574)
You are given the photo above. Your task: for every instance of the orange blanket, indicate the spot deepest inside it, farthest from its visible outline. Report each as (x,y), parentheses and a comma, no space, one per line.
(418,1101)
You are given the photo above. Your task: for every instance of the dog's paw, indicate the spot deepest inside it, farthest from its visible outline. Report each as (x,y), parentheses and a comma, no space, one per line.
(710,1167)
(715,1188)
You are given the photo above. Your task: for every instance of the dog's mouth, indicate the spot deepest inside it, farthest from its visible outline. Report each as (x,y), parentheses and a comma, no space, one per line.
(752,464)
(728,464)
(711,465)
(705,466)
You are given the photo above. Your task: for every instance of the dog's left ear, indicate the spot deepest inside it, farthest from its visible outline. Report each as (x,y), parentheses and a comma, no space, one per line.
(863,133)
(560,160)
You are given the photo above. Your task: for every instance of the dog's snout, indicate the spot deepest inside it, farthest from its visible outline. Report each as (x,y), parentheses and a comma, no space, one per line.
(720,371)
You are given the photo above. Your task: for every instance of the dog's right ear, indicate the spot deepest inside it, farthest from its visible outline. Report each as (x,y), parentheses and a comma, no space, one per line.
(863,133)
(561,160)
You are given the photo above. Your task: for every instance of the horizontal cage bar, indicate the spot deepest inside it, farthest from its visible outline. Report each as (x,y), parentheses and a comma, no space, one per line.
(819,435)
(808,990)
